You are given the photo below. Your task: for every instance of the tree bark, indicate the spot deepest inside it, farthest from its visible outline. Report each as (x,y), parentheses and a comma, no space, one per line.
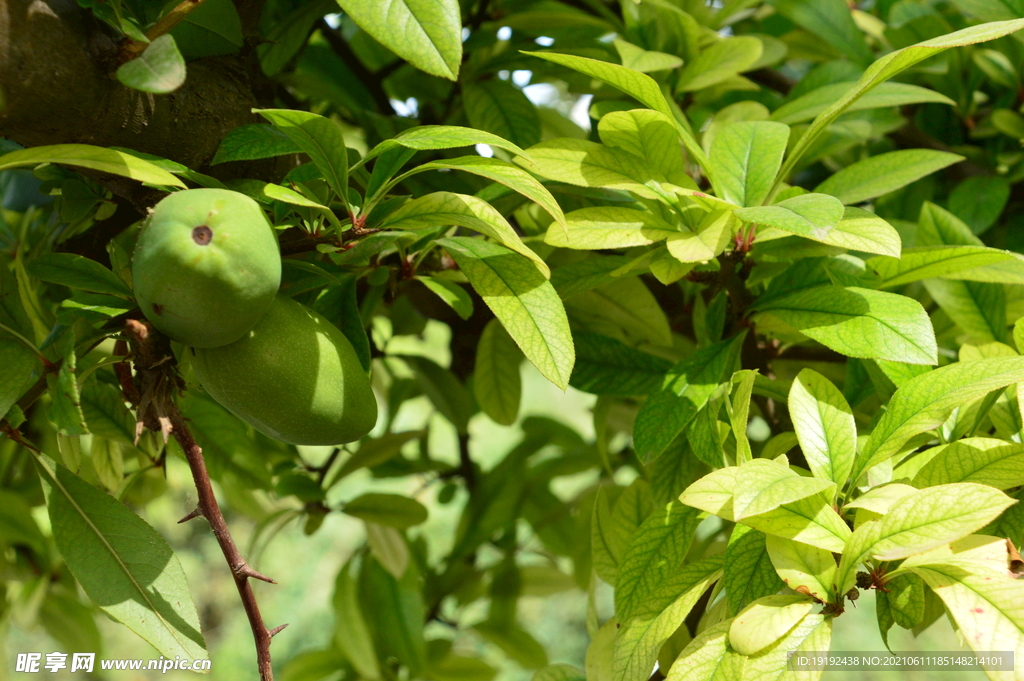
(57,86)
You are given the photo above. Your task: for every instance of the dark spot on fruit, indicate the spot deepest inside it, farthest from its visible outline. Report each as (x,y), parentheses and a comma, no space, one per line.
(202,235)
(193,351)
(158,308)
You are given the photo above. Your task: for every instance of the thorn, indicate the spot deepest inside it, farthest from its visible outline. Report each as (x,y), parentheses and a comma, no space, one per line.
(194,514)
(247,571)
(277,630)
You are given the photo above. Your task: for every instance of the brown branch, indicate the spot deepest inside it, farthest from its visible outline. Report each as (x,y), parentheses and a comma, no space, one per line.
(240,570)
(132,48)
(157,382)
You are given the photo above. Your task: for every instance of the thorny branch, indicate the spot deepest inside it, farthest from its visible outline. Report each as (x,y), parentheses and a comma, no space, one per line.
(155,384)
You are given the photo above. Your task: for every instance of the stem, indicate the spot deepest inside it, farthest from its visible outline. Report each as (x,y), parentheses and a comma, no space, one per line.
(162,27)
(240,569)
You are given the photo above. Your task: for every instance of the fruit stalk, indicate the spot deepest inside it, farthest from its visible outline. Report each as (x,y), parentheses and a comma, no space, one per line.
(240,569)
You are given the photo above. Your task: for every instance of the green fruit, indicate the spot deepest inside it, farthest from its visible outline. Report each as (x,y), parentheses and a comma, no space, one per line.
(294,377)
(206,266)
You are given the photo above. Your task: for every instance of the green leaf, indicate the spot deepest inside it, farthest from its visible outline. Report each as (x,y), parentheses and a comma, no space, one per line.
(812,634)
(985,461)
(684,391)
(584,275)
(497,384)
(66,407)
(428,35)
(860,230)
(625,309)
(811,520)
(159,69)
(451,293)
(824,425)
(375,451)
(605,366)
(515,642)
(559,672)
(351,634)
(648,135)
(501,108)
(979,201)
(395,611)
(289,34)
(976,307)
(722,60)
(252,142)
(884,69)
(937,226)
(638,85)
(95,158)
(123,564)
(926,262)
(428,137)
(802,567)
(443,389)
(17,366)
(393,510)
(18,527)
(587,164)
(766,620)
(808,215)
(749,574)
(925,402)
(859,322)
(510,175)
(446,208)
(319,138)
(763,485)
(886,95)
(987,607)
(739,412)
(76,271)
(903,601)
(878,175)
(658,548)
(709,657)
(211,29)
(640,638)
(607,227)
(105,413)
(925,520)
(708,242)
(645,61)
(522,299)
(829,21)
(745,157)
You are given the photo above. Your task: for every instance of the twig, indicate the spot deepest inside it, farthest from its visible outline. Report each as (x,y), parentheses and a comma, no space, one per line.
(240,569)
(156,383)
(132,49)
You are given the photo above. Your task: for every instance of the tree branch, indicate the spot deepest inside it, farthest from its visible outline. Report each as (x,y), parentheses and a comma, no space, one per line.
(156,384)
(240,569)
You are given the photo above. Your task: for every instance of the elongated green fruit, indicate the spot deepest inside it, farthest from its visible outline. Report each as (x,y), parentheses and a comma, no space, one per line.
(206,267)
(294,377)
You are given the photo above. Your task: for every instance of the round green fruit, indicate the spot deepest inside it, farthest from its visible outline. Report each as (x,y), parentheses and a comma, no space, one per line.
(294,377)
(206,266)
